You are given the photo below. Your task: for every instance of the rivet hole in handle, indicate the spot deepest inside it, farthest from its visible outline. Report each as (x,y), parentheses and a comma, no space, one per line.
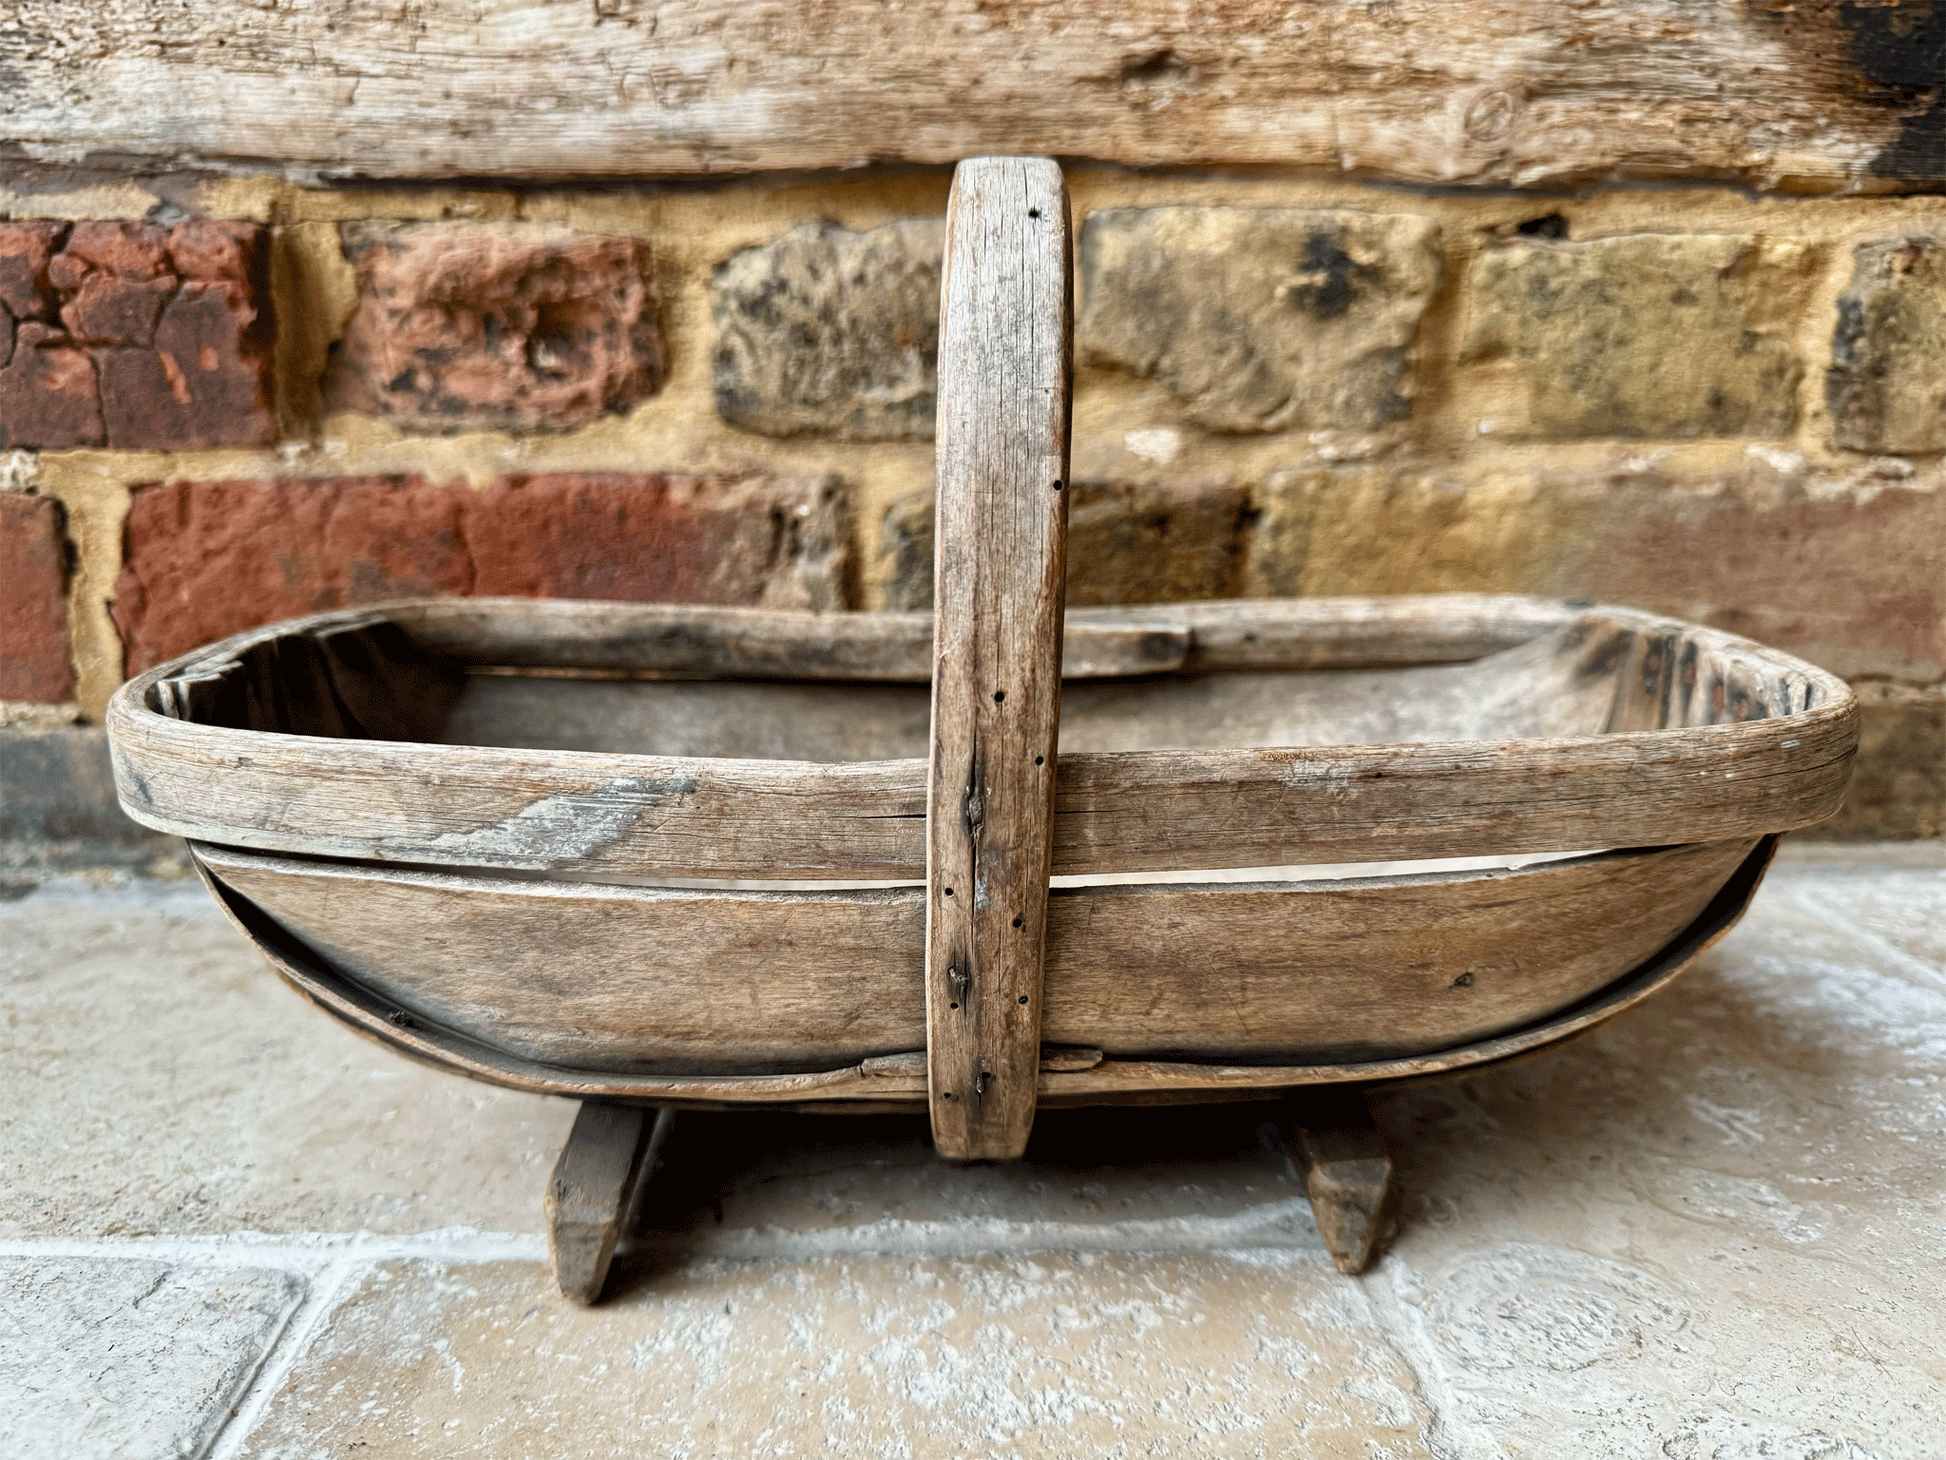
(1000,532)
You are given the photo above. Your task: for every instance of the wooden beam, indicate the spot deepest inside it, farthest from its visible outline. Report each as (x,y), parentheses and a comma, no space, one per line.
(1006,308)
(1520,92)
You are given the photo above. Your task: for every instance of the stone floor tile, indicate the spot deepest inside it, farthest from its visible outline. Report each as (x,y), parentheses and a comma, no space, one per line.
(1146,1179)
(127,1359)
(1904,909)
(175,1086)
(1712,1229)
(279,1120)
(1113,1355)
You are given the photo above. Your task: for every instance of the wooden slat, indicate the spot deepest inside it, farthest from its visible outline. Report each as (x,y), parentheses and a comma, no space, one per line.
(755,643)
(648,816)
(1362,968)
(1006,305)
(683,981)
(760,643)
(544,811)
(1561,683)
(899,1081)
(1157,810)
(677,638)
(1521,92)
(574,638)
(615,978)
(1349,633)
(640,815)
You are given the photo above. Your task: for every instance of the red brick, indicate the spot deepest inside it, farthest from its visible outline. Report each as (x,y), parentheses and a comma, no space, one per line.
(110,310)
(205,248)
(34,664)
(24,251)
(508,325)
(65,271)
(202,386)
(48,394)
(636,538)
(135,336)
(203,560)
(133,250)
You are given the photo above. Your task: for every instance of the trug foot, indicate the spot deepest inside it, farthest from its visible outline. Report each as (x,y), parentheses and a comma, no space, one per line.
(607,1156)
(1347,1170)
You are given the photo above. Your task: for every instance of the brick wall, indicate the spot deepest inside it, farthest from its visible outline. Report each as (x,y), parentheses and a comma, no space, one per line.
(270,398)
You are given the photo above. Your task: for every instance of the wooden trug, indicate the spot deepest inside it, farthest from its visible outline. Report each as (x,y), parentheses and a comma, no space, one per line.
(663,856)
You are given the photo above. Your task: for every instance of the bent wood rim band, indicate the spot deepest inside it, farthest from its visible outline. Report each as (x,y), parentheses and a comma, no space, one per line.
(470,806)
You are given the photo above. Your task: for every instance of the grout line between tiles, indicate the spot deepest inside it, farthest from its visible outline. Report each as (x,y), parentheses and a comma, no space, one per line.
(306,1252)
(293,1338)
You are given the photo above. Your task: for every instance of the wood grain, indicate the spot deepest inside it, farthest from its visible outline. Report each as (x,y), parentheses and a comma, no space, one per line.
(898,1082)
(701,981)
(1517,92)
(1347,1170)
(594,639)
(1097,643)
(608,1154)
(1006,307)
(752,643)
(1540,688)
(632,815)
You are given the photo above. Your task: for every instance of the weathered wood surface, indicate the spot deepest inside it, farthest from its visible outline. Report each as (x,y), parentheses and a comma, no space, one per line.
(609,1153)
(768,643)
(1006,319)
(735,981)
(761,643)
(633,815)
(1534,690)
(1430,91)
(898,1082)
(1342,633)
(1347,1170)
(407,650)
(646,816)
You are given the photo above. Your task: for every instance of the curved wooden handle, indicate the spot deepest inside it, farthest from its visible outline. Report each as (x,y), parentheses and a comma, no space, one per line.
(1006,319)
